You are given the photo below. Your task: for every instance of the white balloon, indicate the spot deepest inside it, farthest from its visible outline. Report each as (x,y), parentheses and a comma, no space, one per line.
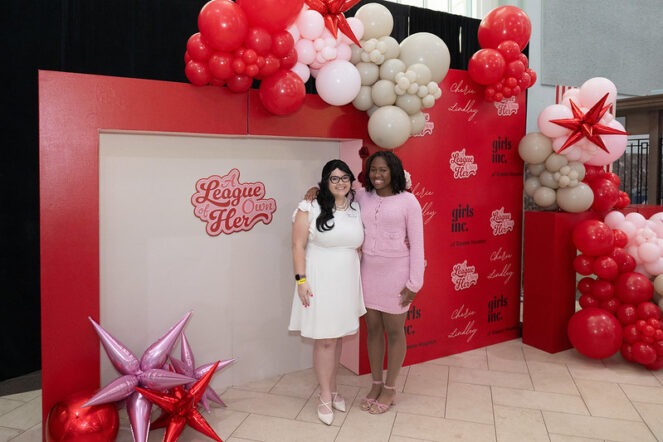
(389,127)
(338,82)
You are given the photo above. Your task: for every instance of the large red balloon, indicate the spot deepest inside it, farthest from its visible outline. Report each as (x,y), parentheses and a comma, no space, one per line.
(633,288)
(223,24)
(505,23)
(282,93)
(595,333)
(593,237)
(69,420)
(486,66)
(606,194)
(273,15)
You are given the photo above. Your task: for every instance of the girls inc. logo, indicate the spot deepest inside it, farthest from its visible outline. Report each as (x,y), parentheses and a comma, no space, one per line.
(462,165)
(501,222)
(464,276)
(228,206)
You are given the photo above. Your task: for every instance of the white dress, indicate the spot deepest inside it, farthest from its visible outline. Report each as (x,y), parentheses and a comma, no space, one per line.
(332,272)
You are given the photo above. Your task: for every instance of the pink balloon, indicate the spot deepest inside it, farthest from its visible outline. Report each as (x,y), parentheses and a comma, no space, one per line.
(594,89)
(338,82)
(554,112)
(616,145)
(305,51)
(310,24)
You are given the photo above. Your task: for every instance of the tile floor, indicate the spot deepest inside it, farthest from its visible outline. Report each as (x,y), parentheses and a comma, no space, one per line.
(505,392)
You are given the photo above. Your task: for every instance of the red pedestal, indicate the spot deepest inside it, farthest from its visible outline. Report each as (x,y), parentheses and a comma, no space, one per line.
(549,280)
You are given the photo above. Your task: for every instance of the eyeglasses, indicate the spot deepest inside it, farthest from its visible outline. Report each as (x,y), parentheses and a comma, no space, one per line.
(336,179)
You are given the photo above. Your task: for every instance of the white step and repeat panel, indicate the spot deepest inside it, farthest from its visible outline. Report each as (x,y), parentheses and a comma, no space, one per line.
(158,260)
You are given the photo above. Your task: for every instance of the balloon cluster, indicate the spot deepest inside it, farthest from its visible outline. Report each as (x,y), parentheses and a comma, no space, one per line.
(644,239)
(182,384)
(552,180)
(500,66)
(582,127)
(605,186)
(618,291)
(246,40)
(397,80)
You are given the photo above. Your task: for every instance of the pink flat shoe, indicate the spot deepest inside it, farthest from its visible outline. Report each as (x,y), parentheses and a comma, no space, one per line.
(367,403)
(379,407)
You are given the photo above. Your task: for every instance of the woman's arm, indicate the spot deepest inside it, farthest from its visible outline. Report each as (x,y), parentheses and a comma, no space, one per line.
(415,235)
(299,240)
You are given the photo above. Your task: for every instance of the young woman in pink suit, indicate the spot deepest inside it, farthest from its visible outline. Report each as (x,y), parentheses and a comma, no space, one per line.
(328,301)
(392,269)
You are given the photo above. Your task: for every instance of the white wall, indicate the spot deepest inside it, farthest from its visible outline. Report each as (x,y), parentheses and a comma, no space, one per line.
(157,262)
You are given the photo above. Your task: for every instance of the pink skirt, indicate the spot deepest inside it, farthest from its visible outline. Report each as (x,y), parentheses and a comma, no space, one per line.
(382,280)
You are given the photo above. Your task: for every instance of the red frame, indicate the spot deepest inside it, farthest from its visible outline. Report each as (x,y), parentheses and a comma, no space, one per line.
(73,108)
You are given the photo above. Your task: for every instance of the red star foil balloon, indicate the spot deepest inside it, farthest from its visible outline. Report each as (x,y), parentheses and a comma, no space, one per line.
(179,408)
(332,11)
(586,125)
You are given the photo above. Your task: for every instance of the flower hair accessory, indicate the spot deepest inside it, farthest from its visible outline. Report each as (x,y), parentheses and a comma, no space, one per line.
(408,180)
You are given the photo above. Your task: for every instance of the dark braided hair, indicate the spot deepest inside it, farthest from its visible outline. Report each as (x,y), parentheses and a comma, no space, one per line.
(325,199)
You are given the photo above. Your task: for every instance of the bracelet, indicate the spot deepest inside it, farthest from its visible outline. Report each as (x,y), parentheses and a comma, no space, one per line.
(301,281)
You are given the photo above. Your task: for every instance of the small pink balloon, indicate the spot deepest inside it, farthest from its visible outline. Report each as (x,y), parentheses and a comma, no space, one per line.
(554,112)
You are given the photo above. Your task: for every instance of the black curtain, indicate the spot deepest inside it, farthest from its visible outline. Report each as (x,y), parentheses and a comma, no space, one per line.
(125,38)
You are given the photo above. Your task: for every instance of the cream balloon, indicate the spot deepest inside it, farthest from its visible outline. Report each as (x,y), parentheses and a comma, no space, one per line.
(658,284)
(535,148)
(390,68)
(411,104)
(417,123)
(369,73)
(389,47)
(544,196)
(555,162)
(536,169)
(429,49)
(363,100)
(531,184)
(575,199)
(377,20)
(389,127)
(382,93)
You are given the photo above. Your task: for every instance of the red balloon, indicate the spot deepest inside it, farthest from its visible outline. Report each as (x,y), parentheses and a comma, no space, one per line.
(588,301)
(515,69)
(602,290)
(610,305)
(621,239)
(627,314)
(647,310)
(627,352)
(197,73)
(69,420)
(220,65)
(273,15)
(623,201)
(486,66)
(289,60)
(259,40)
(595,333)
(511,51)
(272,64)
(583,264)
(505,23)
(239,83)
(282,43)
(606,194)
(282,93)
(223,24)
(611,176)
(625,262)
(585,285)
(605,268)
(630,333)
(593,238)
(197,48)
(643,353)
(656,365)
(633,288)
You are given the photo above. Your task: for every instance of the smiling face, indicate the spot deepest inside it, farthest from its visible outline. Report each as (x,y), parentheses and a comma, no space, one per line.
(341,187)
(380,176)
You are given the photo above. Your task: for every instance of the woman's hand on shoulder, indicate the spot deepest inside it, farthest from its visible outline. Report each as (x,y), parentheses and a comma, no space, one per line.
(311,194)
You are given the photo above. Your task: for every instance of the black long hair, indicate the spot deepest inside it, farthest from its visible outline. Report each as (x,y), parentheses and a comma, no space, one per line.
(395,168)
(325,199)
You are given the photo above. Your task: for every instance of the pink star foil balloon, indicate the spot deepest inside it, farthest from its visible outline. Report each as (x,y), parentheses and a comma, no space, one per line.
(586,125)
(147,373)
(332,12)
(179,408)
(186,366)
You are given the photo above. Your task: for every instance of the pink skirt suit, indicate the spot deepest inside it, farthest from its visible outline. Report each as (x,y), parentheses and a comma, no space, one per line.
(393,249)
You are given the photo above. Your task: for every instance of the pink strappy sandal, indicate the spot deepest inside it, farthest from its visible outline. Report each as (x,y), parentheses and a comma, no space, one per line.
(367,403)
(378,407)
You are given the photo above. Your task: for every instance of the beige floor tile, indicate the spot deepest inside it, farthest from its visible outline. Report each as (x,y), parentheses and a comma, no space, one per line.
(274,429)
(33,434)
(297,384)
(264,385)
(506,356)
(653,417)
(469,359)
(605,399)
(7,405)
(468,402)
(514,397)
(638,393)
(519,424)
(427,379)
(567,357)
(441,430)
(622,375)
(8,433)
(597,427)
(24,416)
(423,405)
(563,438)
(551,377)
(26,396)
(263,403)
(490,377)
(362,426)
(406,439)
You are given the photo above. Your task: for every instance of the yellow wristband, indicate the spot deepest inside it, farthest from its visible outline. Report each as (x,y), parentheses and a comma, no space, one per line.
(301,281)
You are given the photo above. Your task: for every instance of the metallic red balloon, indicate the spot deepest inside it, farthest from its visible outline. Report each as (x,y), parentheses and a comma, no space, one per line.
(504,23)
(69,420)
(595,333)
